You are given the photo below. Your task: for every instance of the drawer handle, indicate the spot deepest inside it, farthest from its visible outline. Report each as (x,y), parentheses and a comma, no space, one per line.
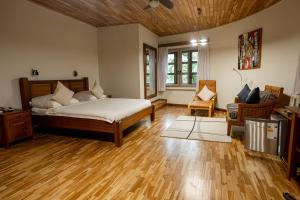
(19,123)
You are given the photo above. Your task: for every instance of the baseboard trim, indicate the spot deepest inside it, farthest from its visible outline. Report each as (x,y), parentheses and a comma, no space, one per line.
(221,109)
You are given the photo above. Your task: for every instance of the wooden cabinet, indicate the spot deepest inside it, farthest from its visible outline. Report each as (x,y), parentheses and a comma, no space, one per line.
(291,156)
(293,165)
(14,126)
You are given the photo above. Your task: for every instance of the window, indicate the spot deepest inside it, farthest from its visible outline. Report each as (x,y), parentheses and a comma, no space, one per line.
(172,68)
(147,70)
(194,67)
(182,68)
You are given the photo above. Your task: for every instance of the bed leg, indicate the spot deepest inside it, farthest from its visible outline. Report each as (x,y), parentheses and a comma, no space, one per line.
(118,134)
(153,113)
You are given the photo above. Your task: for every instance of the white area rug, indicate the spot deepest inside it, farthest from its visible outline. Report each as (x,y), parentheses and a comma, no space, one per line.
(208,129)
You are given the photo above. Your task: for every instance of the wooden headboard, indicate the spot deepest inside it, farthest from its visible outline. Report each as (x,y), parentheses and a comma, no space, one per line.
(31,89)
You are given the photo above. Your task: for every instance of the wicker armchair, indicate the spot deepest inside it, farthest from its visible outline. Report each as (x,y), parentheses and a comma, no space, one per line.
(262,110)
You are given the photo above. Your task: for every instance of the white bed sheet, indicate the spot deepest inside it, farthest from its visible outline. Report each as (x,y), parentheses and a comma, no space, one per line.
(109,110)
(39,111)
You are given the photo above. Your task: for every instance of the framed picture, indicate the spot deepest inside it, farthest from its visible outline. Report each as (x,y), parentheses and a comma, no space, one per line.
(250,50)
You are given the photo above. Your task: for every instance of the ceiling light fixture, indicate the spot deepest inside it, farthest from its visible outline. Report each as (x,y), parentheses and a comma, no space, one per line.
(202,42)
(193,41)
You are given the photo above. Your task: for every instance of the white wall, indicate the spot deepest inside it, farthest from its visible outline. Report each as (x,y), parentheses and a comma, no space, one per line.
(181,96)
(145,36)
(32,36)
(119,60)
(280,51)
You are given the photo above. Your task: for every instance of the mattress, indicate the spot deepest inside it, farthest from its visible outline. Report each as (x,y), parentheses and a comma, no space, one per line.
(39,111)
(109,110)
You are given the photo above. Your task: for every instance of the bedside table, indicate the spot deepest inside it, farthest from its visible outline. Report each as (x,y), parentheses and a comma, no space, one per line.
(14,126)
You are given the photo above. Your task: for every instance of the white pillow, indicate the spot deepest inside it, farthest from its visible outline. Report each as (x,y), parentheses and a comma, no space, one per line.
(206,94)
(62,94)
(97,90)
(74,101)
(85,96)
(44,102)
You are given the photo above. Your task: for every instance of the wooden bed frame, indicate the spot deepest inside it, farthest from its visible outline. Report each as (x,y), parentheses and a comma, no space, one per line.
(31,89)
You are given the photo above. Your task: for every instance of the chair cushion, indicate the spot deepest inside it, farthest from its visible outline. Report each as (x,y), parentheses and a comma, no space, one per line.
(253,97)
(232,110)
(243,94)
(206,94)
(266,96)
(200,104)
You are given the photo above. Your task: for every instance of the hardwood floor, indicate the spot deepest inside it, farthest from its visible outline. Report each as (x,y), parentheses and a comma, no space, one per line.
(147,166)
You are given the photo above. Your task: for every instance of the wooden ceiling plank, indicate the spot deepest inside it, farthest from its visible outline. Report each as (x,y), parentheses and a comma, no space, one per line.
(162,21)
(196,17)
(201,18)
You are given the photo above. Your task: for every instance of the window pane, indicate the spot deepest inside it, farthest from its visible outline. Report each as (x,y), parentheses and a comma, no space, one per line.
(170,79)
(184,68)
(184,78)
(194,78)
(147,69)
(171,58)
(194,67)
(185,57)
(148,78)
(194,56)
(170,68)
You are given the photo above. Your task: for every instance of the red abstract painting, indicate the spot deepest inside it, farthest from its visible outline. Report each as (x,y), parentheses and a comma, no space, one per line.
(250,50)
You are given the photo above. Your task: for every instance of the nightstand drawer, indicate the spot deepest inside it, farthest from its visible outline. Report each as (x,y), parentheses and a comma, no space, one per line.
(15,125)
(18,116)
(17,128)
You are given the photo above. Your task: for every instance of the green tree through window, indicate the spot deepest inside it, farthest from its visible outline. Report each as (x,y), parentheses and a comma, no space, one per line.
(182,68)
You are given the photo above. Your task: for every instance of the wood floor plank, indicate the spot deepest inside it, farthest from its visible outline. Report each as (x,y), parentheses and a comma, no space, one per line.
(146,166)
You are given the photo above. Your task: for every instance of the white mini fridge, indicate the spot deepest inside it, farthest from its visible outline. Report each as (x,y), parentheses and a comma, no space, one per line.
(265,135)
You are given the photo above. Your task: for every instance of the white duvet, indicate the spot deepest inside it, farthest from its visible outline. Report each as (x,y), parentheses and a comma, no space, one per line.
(109,110)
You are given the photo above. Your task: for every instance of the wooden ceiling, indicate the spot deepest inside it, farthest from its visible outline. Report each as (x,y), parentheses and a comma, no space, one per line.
(162,21)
